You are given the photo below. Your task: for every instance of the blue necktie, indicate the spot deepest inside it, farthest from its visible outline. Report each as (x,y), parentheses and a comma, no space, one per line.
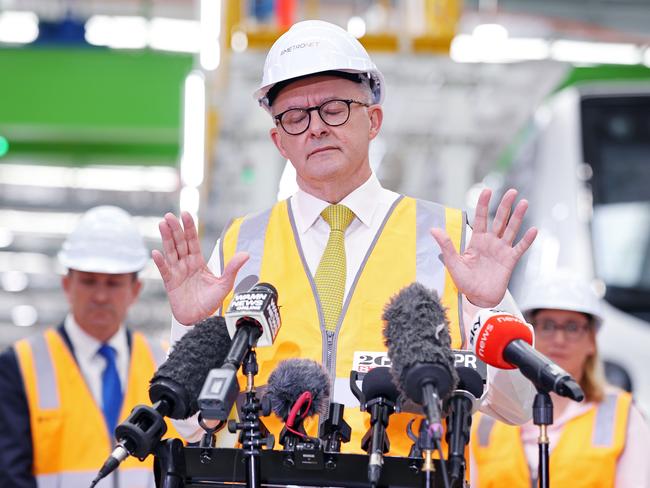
(111,388)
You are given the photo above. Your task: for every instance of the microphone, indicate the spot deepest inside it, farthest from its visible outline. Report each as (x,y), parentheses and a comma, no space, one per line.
(379,395)
(504,341)
(463,402)
(417,336)
(252,317)
(173,390)
(297,389)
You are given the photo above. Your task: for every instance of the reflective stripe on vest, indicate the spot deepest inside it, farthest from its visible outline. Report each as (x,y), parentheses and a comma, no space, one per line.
(48,394)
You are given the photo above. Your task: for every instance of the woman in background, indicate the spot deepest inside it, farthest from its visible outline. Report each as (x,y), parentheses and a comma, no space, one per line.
(600,442)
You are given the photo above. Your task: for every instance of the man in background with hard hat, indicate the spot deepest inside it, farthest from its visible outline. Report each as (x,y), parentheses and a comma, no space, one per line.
(342,246)
(63,392)
(602,441)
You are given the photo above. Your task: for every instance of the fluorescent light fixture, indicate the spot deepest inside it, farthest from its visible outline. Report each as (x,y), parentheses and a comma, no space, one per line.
(174,35)
(189,202)
(193,156)
(18,27)
(470,49)
(111,178)
(595,52)
(210,52)
(55,224)
(118,32)
(6,237)
(357,27)
(490,33)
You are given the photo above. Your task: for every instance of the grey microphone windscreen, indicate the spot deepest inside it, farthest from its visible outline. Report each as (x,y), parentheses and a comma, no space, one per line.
(417,332)
(190,360)
(290,379)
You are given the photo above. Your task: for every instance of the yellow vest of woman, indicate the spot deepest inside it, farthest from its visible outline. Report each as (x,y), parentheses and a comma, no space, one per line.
(69,435)
(584,457)
(402,252)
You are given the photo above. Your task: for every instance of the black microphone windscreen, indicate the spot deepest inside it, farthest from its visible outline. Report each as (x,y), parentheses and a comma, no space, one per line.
(193,356)
(470,380)
(290,379)
(417,331)
(378,382)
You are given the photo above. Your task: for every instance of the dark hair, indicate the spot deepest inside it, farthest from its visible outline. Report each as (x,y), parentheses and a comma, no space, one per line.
(273,92)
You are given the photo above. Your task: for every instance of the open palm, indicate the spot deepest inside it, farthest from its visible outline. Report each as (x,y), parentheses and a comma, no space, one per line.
(483,271)
(194,291)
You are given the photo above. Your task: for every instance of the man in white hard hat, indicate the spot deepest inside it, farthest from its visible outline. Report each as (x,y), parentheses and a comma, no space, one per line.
(342,246)
(599,442)
(63,392)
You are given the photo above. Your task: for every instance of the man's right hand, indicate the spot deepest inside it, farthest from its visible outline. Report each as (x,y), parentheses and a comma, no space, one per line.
(194,291)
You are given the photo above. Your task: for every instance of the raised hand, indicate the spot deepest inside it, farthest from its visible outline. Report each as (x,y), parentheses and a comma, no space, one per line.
(483,271)
(194,291)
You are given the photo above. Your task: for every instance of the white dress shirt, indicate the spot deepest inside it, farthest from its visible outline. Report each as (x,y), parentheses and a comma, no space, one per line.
(91,364)
(509,397)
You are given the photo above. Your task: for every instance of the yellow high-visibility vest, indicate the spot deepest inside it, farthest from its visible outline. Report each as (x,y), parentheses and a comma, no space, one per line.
(585,456)
(402,252)
(70,438)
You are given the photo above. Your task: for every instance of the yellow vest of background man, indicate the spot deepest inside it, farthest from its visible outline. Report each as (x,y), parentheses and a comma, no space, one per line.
(584,457)
(402,252)
(69,435)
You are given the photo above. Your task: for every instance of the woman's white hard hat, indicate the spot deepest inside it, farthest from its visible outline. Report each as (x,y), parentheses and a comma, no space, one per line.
(105,240)
(315,46)
(562,290)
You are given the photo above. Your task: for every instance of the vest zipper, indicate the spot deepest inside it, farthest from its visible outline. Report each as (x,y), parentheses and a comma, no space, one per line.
(330,346)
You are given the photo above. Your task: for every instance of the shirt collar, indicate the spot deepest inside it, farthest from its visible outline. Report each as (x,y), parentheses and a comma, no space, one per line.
(86,346)
(362,201)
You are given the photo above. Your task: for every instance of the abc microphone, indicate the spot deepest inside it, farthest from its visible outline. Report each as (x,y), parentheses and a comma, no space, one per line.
(173,391)
(252,319)
(504,341)
(417,336)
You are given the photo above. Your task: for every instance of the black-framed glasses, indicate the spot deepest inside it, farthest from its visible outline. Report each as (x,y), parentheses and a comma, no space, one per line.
(335,112)
(573,331)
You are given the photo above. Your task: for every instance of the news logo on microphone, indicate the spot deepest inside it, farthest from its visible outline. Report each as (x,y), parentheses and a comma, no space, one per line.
(259,304)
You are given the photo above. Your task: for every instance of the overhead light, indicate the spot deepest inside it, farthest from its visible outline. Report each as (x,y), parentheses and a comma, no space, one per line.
(239,41)
(174,35)
(210,52)
(490,33)
(193,156)
(189,201)
(118,32)
(14,281)
(18,27)
(24,315)
(595,52)
(357,27)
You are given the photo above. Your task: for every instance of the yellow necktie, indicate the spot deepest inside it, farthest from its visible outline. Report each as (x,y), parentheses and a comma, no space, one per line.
(330,275)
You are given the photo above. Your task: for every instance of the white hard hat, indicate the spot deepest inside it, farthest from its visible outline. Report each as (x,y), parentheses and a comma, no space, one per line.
(315,46)
(105,240)
(562,290)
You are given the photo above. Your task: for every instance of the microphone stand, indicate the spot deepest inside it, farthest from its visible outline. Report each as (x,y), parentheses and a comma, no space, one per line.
(254,434)
(543,416)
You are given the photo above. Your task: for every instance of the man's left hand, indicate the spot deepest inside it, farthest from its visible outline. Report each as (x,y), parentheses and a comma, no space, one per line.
(483,271)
